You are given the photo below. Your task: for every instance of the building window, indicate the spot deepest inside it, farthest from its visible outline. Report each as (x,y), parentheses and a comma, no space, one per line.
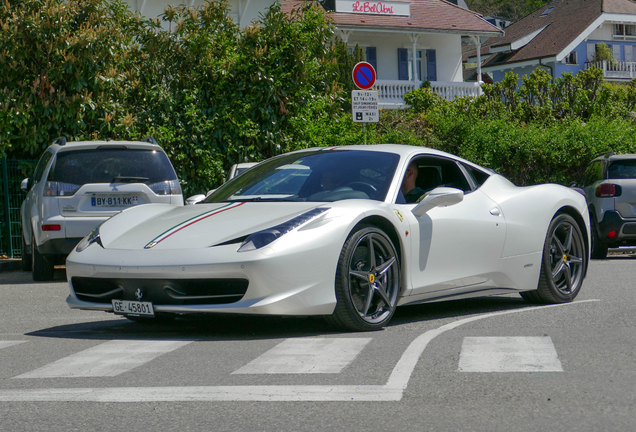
(624,32)
(371,57)
(403,64)
(418,65)
(547,11)
(571,58)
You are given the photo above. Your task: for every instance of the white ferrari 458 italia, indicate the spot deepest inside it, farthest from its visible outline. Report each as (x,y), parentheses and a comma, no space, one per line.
(348,233)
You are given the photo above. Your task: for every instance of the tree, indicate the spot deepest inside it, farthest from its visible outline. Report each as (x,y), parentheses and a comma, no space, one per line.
(60,70)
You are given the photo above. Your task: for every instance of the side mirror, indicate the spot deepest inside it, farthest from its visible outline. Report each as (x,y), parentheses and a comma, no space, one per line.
(24,185)
(441,196)
(195,199)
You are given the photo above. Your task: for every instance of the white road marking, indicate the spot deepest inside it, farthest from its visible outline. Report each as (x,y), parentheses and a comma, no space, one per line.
(5,344)
(509,354)
(108,359)
(393,390)
(306,356)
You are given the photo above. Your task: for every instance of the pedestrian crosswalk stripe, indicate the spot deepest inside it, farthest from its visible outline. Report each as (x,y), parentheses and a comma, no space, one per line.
(107,359)
(307,356)
(5,344)
(509,354)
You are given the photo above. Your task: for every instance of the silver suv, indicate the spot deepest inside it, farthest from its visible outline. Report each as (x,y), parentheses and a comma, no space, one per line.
(609,183)
(78,185)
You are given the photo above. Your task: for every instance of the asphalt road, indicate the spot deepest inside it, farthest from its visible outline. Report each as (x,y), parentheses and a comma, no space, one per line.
(488,364)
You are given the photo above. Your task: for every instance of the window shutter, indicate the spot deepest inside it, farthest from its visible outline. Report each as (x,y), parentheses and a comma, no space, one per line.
(616,50)
(372,58)
(431,65)
(403,64)
(629,53)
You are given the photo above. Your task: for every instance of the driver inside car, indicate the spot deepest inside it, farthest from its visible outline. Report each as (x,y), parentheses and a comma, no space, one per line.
(409,190)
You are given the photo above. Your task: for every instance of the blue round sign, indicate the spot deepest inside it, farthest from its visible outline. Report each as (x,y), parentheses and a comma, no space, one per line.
(364,75)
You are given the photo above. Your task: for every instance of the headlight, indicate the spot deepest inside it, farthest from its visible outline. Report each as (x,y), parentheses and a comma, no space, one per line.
(89,240)
(263,238)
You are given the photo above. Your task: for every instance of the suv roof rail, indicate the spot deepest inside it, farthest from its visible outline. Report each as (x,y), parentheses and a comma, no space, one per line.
(60,140)
(149,139)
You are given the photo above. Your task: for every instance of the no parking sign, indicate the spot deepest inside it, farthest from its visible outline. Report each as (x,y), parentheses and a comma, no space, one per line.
(364,104)
(364,75)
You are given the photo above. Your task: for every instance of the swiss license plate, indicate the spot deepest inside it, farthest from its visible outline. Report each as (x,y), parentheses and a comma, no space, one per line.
(125,307)
(115,201)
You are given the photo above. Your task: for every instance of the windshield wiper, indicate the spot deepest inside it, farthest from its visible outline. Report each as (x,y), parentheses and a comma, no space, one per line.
(125,179)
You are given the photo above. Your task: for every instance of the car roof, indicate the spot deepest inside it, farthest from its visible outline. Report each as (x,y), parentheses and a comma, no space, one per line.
(403,150)
(622,157)
(89,145)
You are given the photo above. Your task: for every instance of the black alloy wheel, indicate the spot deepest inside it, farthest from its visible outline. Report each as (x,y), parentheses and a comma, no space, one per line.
(367,281)
(564,263)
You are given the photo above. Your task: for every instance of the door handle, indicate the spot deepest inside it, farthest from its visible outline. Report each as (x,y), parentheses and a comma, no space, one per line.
(495,212)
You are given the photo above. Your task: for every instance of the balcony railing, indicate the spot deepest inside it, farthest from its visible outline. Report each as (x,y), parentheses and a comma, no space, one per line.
(616,70)
(391,93)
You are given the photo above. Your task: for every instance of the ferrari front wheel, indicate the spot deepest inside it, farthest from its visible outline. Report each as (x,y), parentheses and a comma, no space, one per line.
(367,281)
(563,263)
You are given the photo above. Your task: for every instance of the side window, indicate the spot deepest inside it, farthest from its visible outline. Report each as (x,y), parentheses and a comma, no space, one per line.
(432,172)
(41,166)
(479,176)
(593,172)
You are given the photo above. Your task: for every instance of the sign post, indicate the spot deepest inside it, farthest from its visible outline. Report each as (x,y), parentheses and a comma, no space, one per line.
(364,102)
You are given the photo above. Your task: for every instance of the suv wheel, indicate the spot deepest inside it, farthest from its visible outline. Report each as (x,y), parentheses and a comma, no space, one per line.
(599,249)
(26,261)
(43,267)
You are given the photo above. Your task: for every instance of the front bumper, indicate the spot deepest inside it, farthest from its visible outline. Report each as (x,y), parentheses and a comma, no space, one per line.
(262,282)
(625,229)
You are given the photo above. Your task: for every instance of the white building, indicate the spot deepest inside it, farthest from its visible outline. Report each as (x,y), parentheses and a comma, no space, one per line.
(392,34)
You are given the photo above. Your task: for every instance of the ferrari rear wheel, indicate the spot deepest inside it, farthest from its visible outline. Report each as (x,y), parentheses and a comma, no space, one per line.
(367,281)
(563,264)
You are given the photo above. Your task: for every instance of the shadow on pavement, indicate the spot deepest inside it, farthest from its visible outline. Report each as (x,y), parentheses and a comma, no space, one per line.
(242,327)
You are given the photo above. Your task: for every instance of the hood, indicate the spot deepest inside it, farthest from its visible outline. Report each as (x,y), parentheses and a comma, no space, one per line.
(197,226)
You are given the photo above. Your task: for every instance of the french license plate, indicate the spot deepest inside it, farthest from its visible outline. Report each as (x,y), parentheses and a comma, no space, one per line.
(125,307)
(115,201)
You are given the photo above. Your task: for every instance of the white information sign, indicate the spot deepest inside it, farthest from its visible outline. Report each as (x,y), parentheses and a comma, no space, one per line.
(364,104)
(389,8)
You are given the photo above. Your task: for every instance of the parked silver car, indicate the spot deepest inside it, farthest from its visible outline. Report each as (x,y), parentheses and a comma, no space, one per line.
(78,185)
(609,184)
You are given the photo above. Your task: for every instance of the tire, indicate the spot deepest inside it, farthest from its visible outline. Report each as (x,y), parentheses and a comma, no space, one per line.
(27,261)
(599,249)
(563,264)
(43,266)
(367,281)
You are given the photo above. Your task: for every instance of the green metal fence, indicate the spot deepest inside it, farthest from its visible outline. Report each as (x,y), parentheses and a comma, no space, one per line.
(11,175)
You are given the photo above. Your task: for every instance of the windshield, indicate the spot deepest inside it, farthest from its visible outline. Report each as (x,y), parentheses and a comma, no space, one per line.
(317,176)
(624,169)
(111,165)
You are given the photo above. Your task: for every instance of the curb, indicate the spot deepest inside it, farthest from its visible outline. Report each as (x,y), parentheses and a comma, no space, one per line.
(10,265)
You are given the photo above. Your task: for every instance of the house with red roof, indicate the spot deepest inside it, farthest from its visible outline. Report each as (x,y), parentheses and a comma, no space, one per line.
(407,41)
(563,35)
